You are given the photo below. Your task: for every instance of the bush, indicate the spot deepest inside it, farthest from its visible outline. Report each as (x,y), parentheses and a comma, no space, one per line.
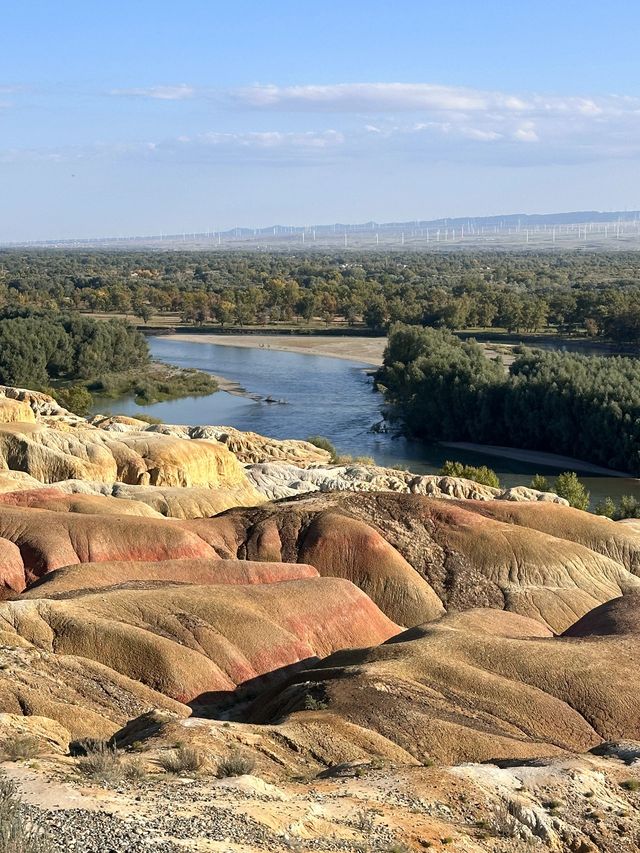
(569,487)
(76,399)
(101,762)
(324,444)
(17,833)
(182,759)
(87,746)
(629,508)
(236,764)
(540,483)
(20,748)
(606,507)
(101,765)
(483,475)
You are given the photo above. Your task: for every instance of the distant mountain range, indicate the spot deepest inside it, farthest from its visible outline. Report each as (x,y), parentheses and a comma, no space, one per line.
(584,225)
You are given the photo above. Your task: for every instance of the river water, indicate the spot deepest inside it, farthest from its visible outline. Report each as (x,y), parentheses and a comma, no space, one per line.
(322,396)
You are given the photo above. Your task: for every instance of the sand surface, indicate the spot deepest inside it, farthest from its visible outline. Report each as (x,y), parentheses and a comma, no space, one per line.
(364,350)
(536,457)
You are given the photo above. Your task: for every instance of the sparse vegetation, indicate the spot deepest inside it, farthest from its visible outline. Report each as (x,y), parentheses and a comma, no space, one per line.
(235,764)
(183,759)
(20,748)
(365,820)
(480,474)
(18,834)
(337,458)
(540,483)
(629,507)
(313,701)
(324,444)
(101,762)
(88,746)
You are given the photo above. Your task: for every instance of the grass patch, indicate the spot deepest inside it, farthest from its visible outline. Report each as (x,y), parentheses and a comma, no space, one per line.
(154,384)
(182,759)
(102,763)
(236,764)
(20,748)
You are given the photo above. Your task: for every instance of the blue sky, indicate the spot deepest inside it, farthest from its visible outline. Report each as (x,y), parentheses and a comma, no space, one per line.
(139,117)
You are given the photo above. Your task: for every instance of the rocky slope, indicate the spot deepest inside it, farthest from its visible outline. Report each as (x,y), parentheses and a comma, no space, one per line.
(409,661)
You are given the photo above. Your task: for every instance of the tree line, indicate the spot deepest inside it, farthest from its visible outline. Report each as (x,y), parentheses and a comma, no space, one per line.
(39,347)
(441,388)
(572,292)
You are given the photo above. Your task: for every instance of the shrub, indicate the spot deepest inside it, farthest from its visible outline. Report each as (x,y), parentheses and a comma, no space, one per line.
(324,444)
(88,745)
(569,487)
(629,507)
(540,483)
(76,399)
(312,702)
(365,820)
(236,764)
(606,507)
(631,785)
(17,833)
(102,765)
(481,474)
(182,759)
(20,748)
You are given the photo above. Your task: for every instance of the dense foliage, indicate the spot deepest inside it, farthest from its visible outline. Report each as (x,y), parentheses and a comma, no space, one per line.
(479,474)
(441,388)
(595,294)
(37,348)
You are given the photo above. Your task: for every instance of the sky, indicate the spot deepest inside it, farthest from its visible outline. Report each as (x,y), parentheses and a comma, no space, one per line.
(138,117)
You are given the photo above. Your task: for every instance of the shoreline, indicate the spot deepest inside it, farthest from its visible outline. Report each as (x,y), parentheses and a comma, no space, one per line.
(365,351)
(540,457)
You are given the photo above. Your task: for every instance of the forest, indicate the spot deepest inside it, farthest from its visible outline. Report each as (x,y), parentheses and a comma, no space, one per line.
(441,388)
(36,348)
(74,357)
(594,295)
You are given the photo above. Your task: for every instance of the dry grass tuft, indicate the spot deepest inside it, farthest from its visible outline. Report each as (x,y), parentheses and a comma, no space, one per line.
(236,764)
(18,834)
(183,759)
(20,748)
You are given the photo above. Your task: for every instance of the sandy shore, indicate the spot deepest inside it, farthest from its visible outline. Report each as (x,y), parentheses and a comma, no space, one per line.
(364,350)
(536,457)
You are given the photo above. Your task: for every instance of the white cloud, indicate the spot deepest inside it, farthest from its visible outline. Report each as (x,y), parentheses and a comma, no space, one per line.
(421,97)
(161,93)
(526,132)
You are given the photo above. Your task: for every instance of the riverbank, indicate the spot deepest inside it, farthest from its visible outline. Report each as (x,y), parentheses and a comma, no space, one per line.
(361,349)
(536,457)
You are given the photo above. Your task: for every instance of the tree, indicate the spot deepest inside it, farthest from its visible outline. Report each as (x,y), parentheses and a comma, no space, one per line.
(144,311)
(569,487)
(540,483)
(376,313)
(76,399)
(606,507)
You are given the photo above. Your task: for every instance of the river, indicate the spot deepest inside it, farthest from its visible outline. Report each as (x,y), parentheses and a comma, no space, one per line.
(322,396)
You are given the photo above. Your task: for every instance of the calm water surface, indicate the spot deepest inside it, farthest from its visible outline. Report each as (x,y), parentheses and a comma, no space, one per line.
(323,396)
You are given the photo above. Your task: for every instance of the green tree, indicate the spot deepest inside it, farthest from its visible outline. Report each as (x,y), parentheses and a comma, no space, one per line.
(376,313)
(76,398)
(540,483)
(569,487)
(483,475)
(606,507)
